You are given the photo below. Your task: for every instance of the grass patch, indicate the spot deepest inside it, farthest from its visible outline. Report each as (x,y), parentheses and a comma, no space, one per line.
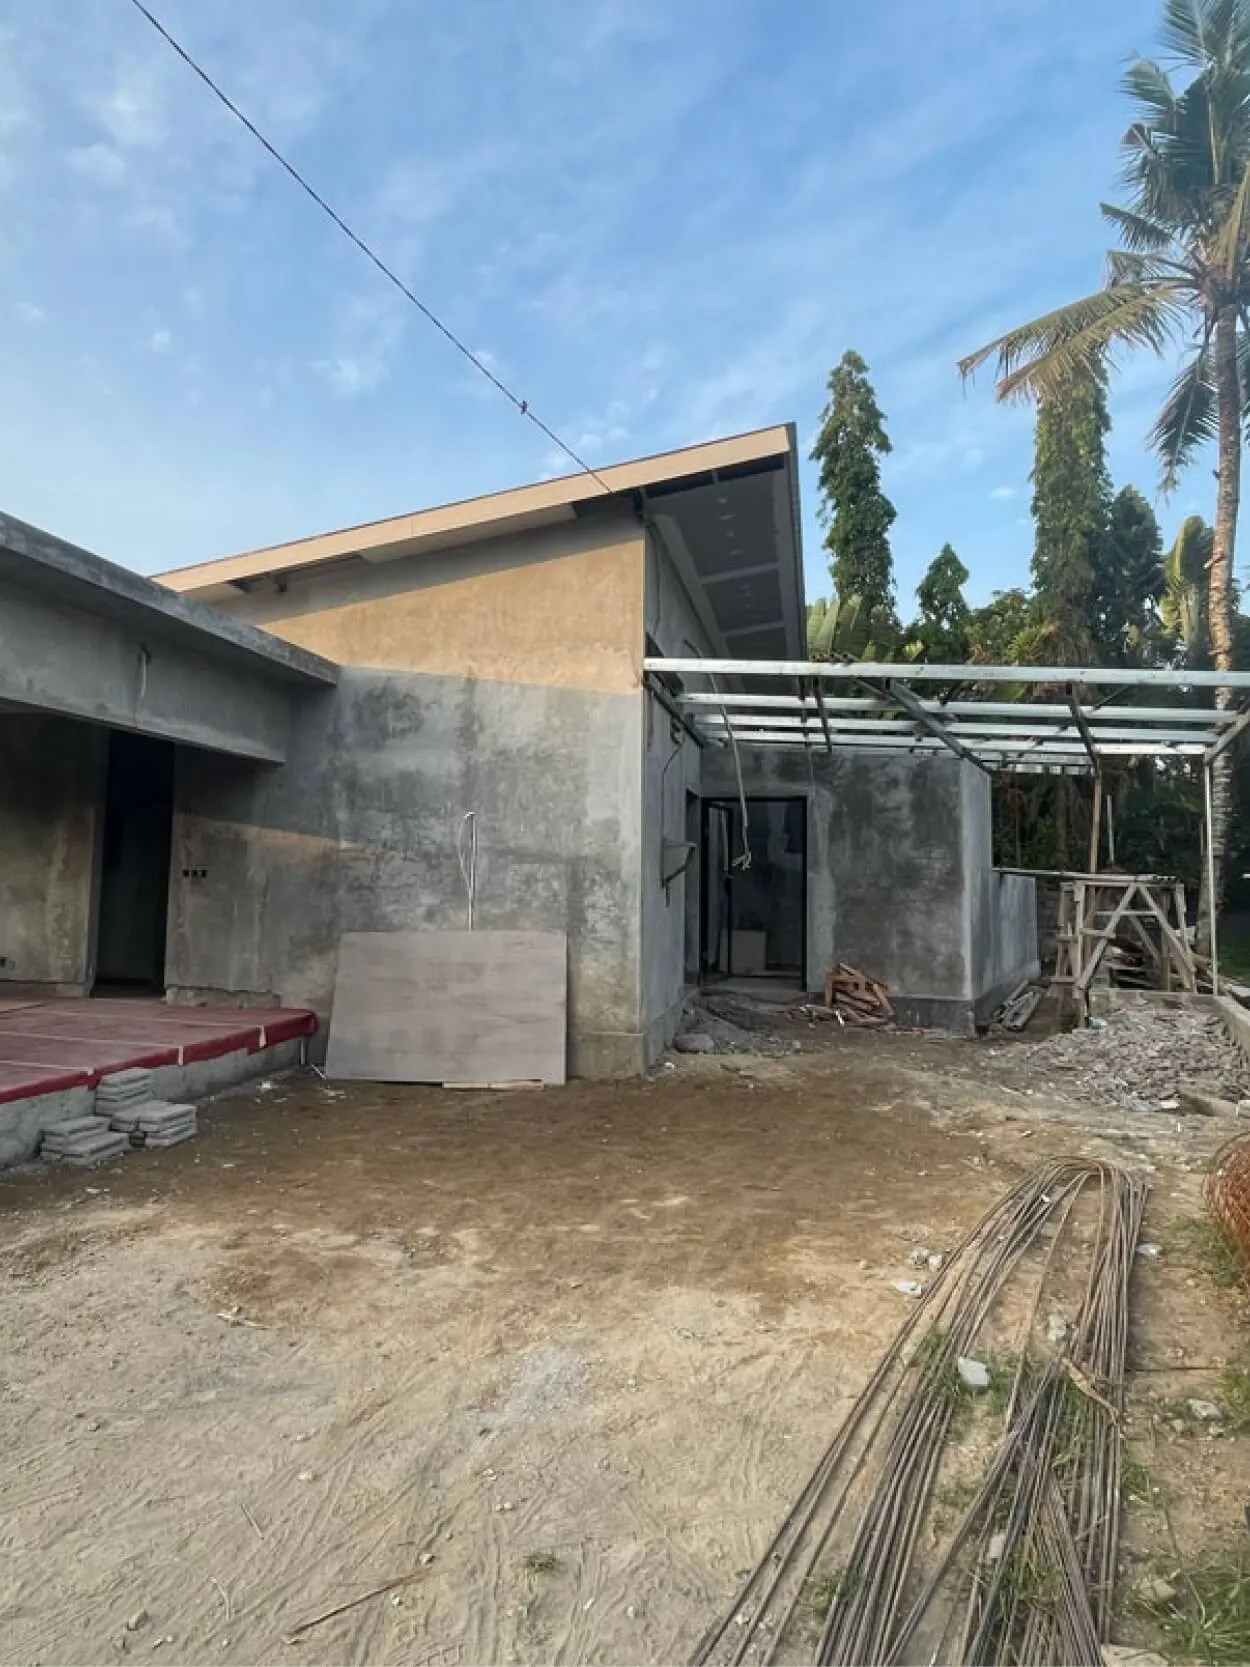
(943,1381)
(543,1562)
(1003,1369)
(1137,1485)
(1208,1617)
(823,1591)
(1235,1399)
(956,1493)
(1204,1241)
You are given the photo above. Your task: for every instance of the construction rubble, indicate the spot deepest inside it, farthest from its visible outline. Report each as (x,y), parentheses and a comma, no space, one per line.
(1151,1058)
(713,1023)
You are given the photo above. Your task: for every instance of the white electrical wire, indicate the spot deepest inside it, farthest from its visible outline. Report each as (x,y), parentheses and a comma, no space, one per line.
(742,861)
(466,856)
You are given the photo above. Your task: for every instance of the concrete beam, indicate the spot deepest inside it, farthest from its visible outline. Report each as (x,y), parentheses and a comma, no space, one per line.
(86,639)
(59,659)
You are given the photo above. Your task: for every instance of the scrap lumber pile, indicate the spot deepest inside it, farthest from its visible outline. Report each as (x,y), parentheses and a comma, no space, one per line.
(1019,1007)
(871,1564)
(856,997)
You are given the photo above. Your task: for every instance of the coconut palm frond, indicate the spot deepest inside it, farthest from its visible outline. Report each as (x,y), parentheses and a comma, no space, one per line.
(1229,250)
(1132,266)
(1188,419)
(1138,231)
(1150,86)
(1039,357)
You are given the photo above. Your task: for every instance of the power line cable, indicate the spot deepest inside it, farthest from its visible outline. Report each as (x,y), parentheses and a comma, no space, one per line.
(522,405)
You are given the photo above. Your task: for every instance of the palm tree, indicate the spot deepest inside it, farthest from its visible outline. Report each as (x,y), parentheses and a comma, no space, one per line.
(1182,276)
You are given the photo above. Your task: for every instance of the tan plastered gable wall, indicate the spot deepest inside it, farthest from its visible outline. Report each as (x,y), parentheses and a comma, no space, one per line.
(558,606)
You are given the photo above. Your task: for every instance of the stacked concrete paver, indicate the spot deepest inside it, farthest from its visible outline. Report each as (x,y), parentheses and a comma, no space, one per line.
(125,1115)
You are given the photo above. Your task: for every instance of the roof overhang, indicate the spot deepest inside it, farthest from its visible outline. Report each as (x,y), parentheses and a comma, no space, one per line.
(882,707)
(40,563)
(728,509)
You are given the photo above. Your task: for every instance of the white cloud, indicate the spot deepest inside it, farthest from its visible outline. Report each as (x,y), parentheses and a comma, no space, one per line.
(99,163)
(160,341)
(29,313)
(1001,494)
(367,335)
(132,113)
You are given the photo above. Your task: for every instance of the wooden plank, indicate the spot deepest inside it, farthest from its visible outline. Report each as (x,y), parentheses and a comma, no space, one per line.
(1184,961)
(1100,942)
(450,1007)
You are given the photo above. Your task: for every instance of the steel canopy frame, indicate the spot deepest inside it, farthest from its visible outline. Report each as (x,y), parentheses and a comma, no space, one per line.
(870,706)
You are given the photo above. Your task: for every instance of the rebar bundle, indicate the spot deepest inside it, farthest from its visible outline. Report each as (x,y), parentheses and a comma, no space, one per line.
(859,1571)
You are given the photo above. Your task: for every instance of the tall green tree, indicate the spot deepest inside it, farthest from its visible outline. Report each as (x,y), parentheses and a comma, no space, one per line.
(999,632)
(856,512)
(942,628)
(1071,511)
(1181,277)
(1128,579)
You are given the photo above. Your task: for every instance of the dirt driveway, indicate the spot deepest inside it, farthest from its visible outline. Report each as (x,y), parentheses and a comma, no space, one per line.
(559,1359)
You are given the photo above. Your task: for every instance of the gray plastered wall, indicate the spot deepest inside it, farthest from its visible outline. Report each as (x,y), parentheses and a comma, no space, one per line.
(51,799)
(900,882)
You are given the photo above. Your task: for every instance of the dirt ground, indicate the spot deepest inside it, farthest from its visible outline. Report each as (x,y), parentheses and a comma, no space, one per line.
(558,1360)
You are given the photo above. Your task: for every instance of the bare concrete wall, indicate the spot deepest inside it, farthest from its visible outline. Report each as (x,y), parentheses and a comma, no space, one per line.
(670,772)
(51,799)
(899,879)
(359,831)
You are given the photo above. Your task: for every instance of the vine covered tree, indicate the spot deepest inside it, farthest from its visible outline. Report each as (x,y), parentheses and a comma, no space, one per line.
(856,513)
(1071,511)
(942,628)
(1181,276)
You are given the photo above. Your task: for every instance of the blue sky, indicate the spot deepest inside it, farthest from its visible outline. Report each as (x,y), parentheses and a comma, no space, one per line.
(659,222)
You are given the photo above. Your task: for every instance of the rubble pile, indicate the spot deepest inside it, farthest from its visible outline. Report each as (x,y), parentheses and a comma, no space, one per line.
(1142,1059)
(727,1023)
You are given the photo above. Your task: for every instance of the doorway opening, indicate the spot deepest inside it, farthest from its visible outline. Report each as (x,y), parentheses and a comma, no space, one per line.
(134,866)
(754,916)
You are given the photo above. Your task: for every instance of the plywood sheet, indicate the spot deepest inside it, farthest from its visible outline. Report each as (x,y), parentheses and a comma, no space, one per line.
(458,1007)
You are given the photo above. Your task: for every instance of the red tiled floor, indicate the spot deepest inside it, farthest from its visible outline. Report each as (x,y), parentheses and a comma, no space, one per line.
(46,1046)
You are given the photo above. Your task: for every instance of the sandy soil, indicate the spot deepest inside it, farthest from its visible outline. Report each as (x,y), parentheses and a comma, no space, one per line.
(559,1360)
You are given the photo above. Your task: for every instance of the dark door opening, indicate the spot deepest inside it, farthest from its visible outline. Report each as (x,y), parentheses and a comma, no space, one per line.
(754,915)
(134,864)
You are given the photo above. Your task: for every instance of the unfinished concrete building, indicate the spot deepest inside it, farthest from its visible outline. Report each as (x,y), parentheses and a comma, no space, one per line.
(209,779)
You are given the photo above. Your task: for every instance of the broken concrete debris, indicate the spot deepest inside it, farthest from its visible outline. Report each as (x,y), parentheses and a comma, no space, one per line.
(715,1022)
(1205,1411)
(1142,1059)
(974,1373)
(725,1021)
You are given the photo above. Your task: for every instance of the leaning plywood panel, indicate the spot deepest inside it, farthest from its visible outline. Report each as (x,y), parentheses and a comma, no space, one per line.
(456,1007)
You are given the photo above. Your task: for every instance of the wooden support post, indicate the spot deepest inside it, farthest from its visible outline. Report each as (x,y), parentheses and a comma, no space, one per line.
(1095,826)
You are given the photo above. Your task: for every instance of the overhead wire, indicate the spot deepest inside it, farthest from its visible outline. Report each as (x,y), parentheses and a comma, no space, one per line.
(388,272)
